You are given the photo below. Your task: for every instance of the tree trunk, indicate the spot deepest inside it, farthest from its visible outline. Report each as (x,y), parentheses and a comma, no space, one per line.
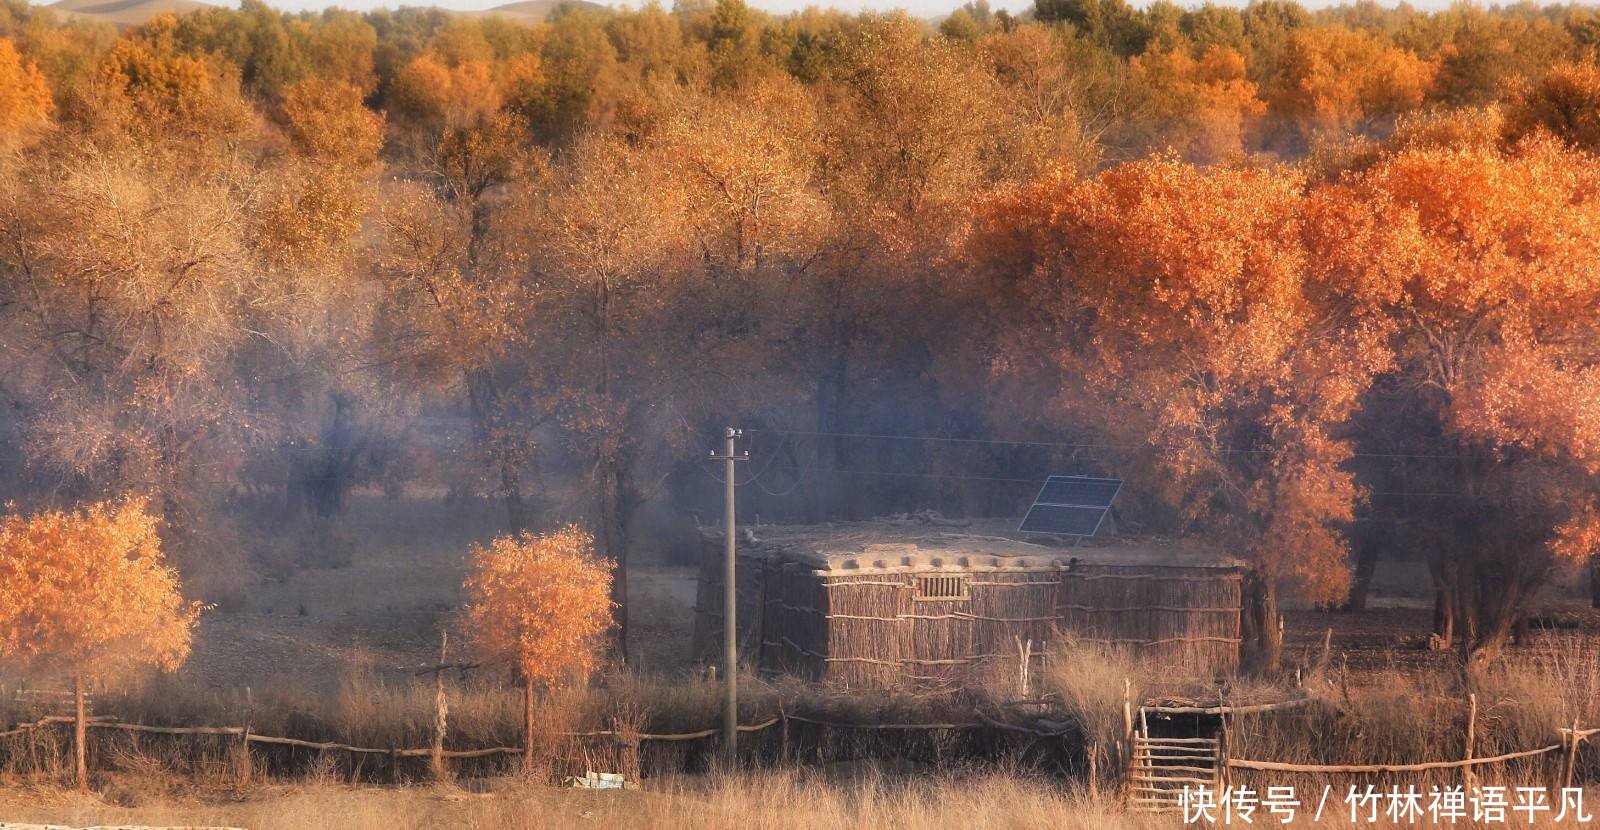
(1521,630)
(441,713)
(483,400)
(1491,600)
(80,735)
(827,484)
(328,474)
(1361,584)
(1261,638)
(511,491)
(617,503)
(527,724)
(1446,585)
(1444,620)
(1594,581)
(1487,647)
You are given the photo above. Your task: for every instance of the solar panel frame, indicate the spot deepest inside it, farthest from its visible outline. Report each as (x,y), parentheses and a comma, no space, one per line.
(1084,491)
(1063,519)
(1071,505)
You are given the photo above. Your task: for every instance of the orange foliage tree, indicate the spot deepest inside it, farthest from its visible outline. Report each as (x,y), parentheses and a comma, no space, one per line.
(25,102)
(1334,79)
(453,313)
(1202,107)
(433,91)
(1482,268)
(1565,102)
(541,603)
(1171,320)
(88,593)
(625,359)
(326,120)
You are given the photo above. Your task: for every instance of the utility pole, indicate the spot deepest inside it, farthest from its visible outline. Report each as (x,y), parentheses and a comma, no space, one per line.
(730,605)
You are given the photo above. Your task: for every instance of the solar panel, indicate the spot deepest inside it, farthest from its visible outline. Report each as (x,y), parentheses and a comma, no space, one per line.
(1063,519)
(1079,490)
(1071,505)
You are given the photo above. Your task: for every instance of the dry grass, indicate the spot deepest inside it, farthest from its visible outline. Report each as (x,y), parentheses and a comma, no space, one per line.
(1392,716)
(1386,716)
(749,802)
(1093,683)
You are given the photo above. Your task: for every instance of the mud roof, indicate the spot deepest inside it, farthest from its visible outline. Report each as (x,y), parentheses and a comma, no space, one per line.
(927,542)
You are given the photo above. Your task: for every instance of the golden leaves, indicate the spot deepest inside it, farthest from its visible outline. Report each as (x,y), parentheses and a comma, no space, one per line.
(25,103)
(88,592)
(541,602)
(159,94)
(435,89)
(746,167)
(1564,101)
(327,120)
(1333,78)
(1202,107)
(1522,395)
(1181,325)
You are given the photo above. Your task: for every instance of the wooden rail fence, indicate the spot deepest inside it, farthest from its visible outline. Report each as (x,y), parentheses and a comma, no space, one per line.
(1570,740)
(1158,768)
(250,737)
(1147,771)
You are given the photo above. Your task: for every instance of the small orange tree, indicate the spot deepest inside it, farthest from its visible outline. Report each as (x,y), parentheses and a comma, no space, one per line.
(89,593)
(542,603)
(25,102)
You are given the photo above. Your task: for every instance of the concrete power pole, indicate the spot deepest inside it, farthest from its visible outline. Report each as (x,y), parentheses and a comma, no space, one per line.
(730,605)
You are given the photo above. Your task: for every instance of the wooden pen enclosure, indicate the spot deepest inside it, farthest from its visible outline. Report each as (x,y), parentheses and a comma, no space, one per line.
(948,609)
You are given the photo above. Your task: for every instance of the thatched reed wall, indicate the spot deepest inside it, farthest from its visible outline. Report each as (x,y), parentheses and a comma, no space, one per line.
(948,626)
(1186,617)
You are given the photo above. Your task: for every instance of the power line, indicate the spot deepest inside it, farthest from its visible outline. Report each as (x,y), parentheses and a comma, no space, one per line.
(1066,444)
(799,475)
(753,477)
(1035,482)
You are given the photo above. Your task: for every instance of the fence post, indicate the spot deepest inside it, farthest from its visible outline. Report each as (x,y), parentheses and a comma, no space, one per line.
(441,712)
(784,717)
(1094,770)
(1024,654)
(245,770)
(1468,777)
(1224,777)
(1126,744)
(80,735)
(1572,755)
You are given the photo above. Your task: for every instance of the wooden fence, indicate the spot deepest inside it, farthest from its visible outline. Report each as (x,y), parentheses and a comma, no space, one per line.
(1149,788)
(250,737)
(624,737)
(1570,739)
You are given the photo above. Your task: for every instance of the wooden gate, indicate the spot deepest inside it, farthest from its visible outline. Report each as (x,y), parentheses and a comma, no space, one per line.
(1163,766)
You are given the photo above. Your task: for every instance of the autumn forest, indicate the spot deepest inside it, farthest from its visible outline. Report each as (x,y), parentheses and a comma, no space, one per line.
(1322,285)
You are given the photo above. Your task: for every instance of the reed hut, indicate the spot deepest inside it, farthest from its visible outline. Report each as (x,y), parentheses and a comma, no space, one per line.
(889,603)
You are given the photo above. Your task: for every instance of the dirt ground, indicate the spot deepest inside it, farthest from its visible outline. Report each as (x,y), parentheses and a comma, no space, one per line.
(1392,633)
(385,610)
